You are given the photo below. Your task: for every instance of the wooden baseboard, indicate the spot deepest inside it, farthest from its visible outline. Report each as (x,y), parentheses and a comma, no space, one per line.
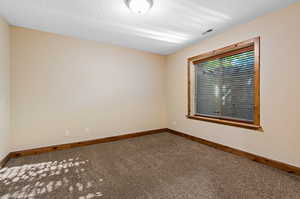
(83,143)
(273,163)
(4,160)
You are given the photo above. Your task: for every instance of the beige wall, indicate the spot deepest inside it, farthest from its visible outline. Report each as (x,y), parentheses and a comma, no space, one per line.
(62,84)
(280,94)
(4,90)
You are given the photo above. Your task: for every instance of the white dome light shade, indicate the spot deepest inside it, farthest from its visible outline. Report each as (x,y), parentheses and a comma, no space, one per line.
(139,6)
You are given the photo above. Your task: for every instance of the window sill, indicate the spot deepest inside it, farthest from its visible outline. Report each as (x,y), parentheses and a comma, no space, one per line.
(226,122)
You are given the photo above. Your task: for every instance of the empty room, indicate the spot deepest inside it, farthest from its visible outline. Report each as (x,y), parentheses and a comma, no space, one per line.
(149,99)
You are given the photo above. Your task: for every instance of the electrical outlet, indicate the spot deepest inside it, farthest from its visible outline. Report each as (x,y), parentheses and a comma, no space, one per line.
(87,130)
(174,123)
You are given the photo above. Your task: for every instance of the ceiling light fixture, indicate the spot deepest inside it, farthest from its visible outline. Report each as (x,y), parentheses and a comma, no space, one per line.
(139,6)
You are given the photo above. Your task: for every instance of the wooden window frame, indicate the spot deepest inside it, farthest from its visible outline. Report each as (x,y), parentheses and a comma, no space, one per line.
(251,44)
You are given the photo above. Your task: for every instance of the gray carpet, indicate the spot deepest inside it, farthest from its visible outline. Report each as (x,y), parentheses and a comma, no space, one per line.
(161,166)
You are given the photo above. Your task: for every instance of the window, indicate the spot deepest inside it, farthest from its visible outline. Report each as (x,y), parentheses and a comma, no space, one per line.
(223,85)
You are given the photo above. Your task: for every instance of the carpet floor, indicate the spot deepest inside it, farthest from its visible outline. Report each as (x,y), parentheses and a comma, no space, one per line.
(160,166)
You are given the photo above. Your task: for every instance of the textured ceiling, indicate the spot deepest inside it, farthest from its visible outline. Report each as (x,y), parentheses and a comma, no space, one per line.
(169,26)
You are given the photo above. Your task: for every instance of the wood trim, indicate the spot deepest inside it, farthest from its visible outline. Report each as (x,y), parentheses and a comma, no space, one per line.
(251,44)
(230,53)
(83,143)
(226,49)
(224,121)
(273,163)
(189,87)
(4,160)
(256,86)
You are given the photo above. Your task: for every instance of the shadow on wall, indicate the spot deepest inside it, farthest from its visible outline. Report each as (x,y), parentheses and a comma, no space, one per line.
(56,177)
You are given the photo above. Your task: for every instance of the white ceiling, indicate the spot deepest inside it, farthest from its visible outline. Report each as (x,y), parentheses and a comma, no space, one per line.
(169,26)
